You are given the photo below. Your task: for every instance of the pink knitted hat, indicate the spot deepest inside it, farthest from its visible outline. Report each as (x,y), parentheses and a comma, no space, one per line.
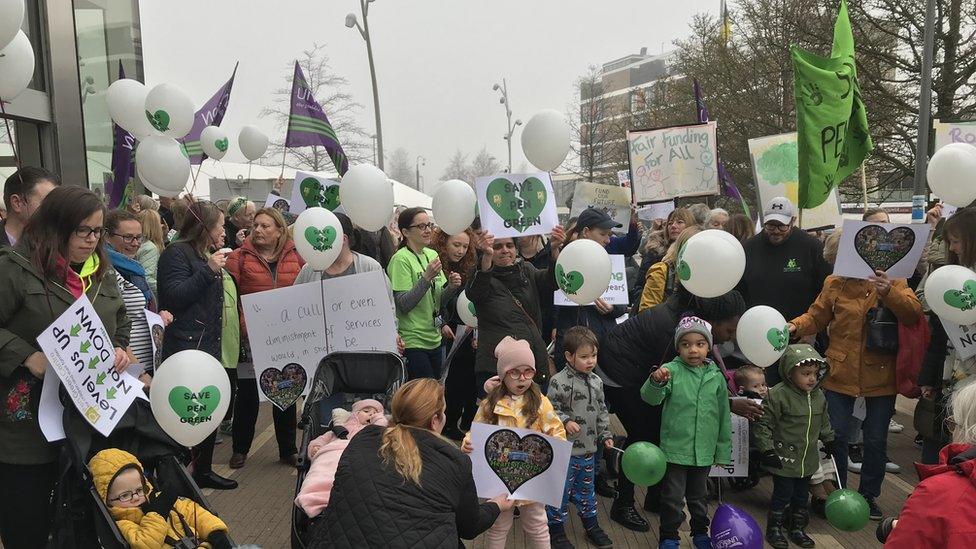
(512,353)
(360,404)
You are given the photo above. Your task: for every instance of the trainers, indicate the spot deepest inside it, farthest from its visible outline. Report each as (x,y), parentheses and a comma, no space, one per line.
(918,441)
(892,467)
(874,512)
(853,466)
(702,541)
(895,427)
(598,537)
(558,540)
(669,544)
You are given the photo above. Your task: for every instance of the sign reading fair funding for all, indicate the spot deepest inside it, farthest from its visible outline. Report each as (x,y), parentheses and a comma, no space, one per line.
(672,162)
(82,354)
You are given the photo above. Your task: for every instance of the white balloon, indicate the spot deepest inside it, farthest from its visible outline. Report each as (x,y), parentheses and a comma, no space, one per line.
(711,264)
(127,106)
(169,110)
(318,237)
(11,20)
(762,335)
(161,165)
(454,206)
(16,66)
(214,142)
(189,396)
(583,271)
(951,293)
(466,311)
(952,174)
(545,140)
(253,142)
(366,196)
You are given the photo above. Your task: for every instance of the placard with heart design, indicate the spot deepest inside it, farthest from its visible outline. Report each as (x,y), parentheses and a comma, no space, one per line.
(516,204)
(283,387)
(314,192)
(866,247)
(517,460)
(881,248)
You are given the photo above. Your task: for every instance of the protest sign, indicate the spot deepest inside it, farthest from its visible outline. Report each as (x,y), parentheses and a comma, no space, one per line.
(156,329)
(516,204)
(616,293)
(613,200)
(962,338)
(740,451)
(278,202)
(656,210)
(672,162)
(954,132)
(360,313)
(891,247)
(775,167)
(82,355)
(525,464)
(623,178)
(310,191)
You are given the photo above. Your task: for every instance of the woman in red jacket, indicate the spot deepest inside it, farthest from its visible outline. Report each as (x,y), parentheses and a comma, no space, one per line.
(265,261)
(941,512)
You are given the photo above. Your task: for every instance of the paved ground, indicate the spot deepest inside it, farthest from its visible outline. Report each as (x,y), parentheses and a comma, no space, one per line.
(259,512)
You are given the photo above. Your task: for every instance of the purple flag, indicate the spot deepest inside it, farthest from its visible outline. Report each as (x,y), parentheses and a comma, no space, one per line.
(728,186)
(123,161)
(308,125)
(211,114)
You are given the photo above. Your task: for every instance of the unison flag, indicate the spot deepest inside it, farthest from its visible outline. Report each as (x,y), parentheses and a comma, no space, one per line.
(728,186)
(211,114)
(831,122)
(308,125)
(123,161)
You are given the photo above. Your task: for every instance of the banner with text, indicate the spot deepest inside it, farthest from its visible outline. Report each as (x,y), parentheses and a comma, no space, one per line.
(612,199)
(310,190)
(513,205)
(673,162)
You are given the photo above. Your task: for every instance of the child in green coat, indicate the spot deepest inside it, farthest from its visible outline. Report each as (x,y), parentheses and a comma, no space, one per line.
(696,429)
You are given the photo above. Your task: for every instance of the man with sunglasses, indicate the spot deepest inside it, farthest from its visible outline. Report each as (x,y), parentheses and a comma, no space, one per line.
(22,195)
(785,267)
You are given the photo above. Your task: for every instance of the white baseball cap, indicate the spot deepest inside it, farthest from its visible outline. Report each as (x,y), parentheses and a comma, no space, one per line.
(779,209)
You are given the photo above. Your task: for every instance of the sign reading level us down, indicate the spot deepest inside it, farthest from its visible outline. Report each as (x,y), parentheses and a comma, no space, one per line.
(82,354)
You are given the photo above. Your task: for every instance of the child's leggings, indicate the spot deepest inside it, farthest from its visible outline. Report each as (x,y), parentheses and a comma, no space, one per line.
(534,524)
(579,490)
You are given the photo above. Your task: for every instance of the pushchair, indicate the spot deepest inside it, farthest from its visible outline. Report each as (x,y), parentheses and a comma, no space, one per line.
(341,379)
(82,517)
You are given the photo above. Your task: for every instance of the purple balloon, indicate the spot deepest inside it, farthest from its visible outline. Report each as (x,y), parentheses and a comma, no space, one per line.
(733,528)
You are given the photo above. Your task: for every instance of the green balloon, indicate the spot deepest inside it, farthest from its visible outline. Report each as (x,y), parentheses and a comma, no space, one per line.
(847,510)
(644,464)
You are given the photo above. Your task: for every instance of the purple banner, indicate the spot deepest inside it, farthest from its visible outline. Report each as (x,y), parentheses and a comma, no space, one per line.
(123,160)
(728,186)
(309,126)
(211,114)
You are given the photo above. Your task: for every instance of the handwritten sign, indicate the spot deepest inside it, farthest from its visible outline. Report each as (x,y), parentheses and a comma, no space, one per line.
(623,178)
(525,464)
(963,338)
(672,162)
(310,190)
(891,247)
(616,293)
(613,200)
(514,205)
(740,451)
(156,329)
(82,355)
(657,210)
(954,132)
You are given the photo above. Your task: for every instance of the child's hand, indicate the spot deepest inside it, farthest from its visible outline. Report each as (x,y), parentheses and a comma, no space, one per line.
(608,443)
(661,375)
(572,428)
(466,447)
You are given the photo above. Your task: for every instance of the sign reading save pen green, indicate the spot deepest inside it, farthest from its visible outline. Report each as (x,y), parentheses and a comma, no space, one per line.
(513,205)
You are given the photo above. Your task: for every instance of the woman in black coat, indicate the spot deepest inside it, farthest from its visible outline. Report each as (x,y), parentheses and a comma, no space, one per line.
(191,286)
(405,486)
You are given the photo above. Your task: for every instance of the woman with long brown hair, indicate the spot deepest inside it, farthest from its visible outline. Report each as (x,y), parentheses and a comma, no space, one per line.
(152,245)
(416,487)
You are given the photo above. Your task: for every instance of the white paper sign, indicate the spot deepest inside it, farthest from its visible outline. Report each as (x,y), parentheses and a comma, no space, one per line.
(278,202)
(657,210)
(156,330)
(50,411)
(616,293)
(891,247)
(954,132)
(81,353)
(533,465)
(740,451)
(623,178)
(514,205)
(309,190)
(611,199)
(672,162)
(360,314)
(963,338)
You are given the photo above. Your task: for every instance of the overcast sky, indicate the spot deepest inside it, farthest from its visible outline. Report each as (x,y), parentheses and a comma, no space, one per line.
(436,60)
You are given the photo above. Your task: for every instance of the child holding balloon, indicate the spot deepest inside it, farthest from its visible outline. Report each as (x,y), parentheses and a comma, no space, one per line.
(518,402)
(696,429)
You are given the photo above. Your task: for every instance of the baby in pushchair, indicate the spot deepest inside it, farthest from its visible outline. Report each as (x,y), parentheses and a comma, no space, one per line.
(325,451)
(148,517)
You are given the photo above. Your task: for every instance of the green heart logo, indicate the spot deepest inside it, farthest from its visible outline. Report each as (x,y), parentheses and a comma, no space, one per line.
(778,338)
(471,310)
(964,299)
(321,239)
(311,190)
(331,197)
(221,144)
(519,205)
(159,120)
(684,271)
(194,408)
(570,282)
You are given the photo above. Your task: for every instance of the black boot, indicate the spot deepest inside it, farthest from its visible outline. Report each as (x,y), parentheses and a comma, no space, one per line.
(625,515)
(799,518)
(775,535)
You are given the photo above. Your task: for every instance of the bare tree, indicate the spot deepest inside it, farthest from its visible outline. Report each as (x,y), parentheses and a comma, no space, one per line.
(483,164)
(457,168)
(598,126)
(329,90)
(399,167)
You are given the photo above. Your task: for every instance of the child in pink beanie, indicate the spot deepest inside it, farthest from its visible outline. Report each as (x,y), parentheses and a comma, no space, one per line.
(326,450)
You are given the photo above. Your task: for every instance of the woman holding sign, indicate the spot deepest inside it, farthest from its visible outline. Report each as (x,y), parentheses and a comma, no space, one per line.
(267,260)
(58,259)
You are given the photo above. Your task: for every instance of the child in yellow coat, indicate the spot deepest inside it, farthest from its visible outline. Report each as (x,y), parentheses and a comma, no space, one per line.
(151,519)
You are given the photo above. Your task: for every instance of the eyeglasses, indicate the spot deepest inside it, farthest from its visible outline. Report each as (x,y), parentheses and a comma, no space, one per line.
(126,497)
(85,232)
(422,226)
(528,373)
(129,239)
(776,227)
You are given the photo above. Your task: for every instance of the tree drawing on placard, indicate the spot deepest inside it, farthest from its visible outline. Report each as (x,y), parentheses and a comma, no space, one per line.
(777,165)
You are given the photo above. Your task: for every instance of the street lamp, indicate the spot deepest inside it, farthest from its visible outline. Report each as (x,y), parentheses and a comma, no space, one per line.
(352,21)
(421,161)
(503,90)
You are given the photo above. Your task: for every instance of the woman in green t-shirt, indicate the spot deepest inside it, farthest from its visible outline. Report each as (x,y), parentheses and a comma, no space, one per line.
(418,282)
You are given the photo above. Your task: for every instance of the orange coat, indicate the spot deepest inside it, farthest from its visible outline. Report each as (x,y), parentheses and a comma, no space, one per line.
(253,274)
(841,309)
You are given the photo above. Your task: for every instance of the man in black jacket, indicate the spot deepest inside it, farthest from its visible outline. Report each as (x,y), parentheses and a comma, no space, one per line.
(22,195)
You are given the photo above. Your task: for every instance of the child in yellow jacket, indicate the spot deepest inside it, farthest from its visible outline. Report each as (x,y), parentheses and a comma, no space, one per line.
(518,402)
(151,519)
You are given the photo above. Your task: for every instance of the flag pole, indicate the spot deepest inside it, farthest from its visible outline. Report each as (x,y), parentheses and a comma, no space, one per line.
(284,154)
(864,187)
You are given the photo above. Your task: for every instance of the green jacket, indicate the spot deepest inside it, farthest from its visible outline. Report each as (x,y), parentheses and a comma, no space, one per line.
(26,309)
(696,425)
(793,419)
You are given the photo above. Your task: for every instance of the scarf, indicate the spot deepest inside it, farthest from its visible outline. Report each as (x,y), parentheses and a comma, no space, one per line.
(77,283)
(133,272)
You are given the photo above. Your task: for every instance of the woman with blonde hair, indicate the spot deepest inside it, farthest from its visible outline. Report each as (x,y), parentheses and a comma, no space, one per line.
(661,277)
(152,245)
(416,487)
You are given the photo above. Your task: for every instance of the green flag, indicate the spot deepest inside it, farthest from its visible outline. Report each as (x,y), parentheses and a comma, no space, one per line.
(832,125)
